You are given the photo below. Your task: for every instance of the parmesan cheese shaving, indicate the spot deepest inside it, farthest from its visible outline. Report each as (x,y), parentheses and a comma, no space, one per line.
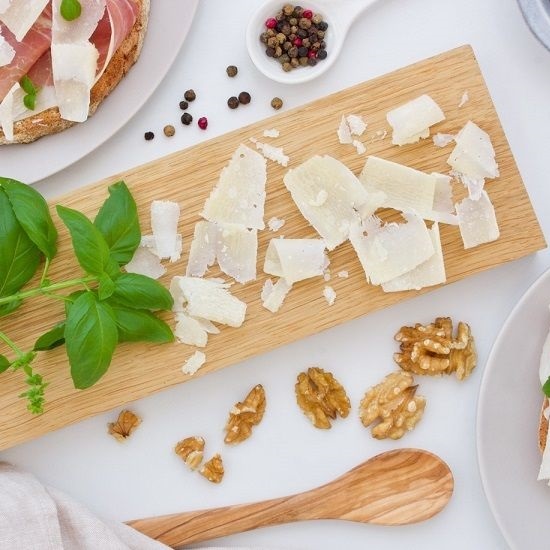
(295,259)
(274,224)
(273,133)
(82,28)
(429,273)
(239,196)
(144,262)
(45,99)
(359,147)
(7,112)
(276,154)
(190,331)
(357,125)
(344,196)
(203,249)
(464,99)
(330,295)
(544,365)
(443,206)
(164,223)
(7,53)
(344,133)
(208,299)
(273,295)
(391,250)
(477,221)
(411,121)
(20,15)
(148,241)
(194,363)
(442,140)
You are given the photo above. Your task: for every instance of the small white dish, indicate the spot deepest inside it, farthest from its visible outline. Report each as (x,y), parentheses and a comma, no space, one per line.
(339,14)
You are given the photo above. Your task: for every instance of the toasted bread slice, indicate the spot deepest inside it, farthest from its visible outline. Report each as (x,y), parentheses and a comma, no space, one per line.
(543,426)
(50,122)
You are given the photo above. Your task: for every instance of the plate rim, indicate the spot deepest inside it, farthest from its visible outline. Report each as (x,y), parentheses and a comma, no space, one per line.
(532,10)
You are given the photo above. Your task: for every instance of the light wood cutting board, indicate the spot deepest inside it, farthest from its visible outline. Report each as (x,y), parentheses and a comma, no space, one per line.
(188,176)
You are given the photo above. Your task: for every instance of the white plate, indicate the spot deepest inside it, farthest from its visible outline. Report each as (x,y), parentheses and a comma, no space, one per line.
(169,24)
(509,405)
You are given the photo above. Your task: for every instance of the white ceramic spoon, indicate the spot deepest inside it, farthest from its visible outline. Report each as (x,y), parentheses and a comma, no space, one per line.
(339,14)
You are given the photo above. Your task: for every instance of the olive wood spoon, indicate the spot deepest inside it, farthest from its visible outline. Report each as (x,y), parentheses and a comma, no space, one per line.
(393,488)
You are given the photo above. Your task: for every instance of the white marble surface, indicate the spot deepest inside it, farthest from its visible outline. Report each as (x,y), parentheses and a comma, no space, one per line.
(143,477)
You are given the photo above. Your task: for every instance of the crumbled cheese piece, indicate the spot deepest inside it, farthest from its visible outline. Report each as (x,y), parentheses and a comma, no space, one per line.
(404,188)
(326,275)
(149,241)
(379,135)
(273,133)
(359,147)
(276,154)
(274,224)
(144,262)
(330,294)
(344,196)
(239,196)
(273,295)
(7,53)
(20,15)
(203,249)
(164,223)
(208,299)
(473,154)
(194,363)
(190,331)
(388,251)
(295,259)
(429,273)
(412,121)
(477,221)
(357,125)
(442,140)
(464,99)
(343,274)
(344,133)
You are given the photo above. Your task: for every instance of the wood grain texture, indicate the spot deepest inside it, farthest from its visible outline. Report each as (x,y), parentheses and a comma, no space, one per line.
(393,488)
(188,176)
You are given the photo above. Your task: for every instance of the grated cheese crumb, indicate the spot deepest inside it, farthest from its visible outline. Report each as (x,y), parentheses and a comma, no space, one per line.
(442,140)
(276,154)
(343,274)
(344,133)
(357,125)
(274,224)
(326,274)
(465,98)
(359,147)
(272,133)
(194,363)
(330,294)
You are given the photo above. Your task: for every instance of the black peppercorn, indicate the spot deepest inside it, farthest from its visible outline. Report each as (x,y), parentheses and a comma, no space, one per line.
(186,119)
(302,33)
(302,51)
(322,54)
(190,95)
(149,136)
(184,105)
(298,10)
(311,61)
(270,52)
(233,102)
(322,26)
(244,98)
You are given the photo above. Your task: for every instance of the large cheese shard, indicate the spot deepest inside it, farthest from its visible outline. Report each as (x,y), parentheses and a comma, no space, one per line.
(7,53)
(388,251)
(328,195)
(74,67)
(239,196)
(412,121)
(474,155)
(443,210)
(404,188)
(295,259)
(203,249)
(273,295)
(429,273)
(477,221)
(208,299)
(20,15)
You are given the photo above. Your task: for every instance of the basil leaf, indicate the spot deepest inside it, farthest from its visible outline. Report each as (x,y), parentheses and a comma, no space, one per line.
(71,299)
(118,221)
(136,325)
(51,339)
(90,248)
(141,292)
(546,387)
(28,86)
(31,211)
(6,309)
(90,337)
(19,257)
(4,363)
(106,287)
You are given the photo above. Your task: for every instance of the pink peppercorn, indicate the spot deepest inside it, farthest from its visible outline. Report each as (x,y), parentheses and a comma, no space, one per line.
(203,123)
(271,23)
(311,54)
(297,42)
(308,14)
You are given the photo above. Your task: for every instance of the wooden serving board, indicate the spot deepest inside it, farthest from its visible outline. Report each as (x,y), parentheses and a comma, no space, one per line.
(188,176)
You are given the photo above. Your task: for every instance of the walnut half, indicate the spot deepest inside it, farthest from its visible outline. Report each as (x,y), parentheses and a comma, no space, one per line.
(394,404)
(124,426)
(321,397)
(245,415)
(431,349)
(213,470)
(191,451)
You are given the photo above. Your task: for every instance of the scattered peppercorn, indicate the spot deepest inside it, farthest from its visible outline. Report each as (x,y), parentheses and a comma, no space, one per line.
(203,123)
(184,105)
(186,119)
(169,130)
(322,54)
(231,71)
(244,98)
(276,103)
(233,102)
(190,95)
(149,136)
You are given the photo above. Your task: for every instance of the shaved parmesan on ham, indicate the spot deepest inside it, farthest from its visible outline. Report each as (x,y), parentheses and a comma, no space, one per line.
(144,262)
(344,196)
(429,273)
(20,15)
(7,112)
(82,28)
(239,196)
(190,331)
(7,53)
(164,223)
(273,295)
(412,121)
(194,363)
(208,299)
(388,251)
(477,221)
(295,259)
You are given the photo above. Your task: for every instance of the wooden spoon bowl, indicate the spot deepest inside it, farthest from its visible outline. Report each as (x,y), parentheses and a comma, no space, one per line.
(393,488)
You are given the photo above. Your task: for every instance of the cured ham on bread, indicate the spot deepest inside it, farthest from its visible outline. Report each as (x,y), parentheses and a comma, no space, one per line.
(55,71)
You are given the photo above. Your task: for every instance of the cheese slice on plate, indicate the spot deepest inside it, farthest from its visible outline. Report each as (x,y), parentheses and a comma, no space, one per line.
(477,221)
(19,15)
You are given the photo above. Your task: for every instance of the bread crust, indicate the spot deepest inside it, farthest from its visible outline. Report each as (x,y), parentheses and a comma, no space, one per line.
(50,122)
(543,426)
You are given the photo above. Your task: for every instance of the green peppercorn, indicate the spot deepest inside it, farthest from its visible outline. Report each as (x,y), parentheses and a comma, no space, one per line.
(278,51)
(186,119)
(293,21)
(284,59)
(288,9)
(303,61)
(244,98)
(287,67)
(190,95)
(231,71)
(273,42)
(316,19)
(169,130)
(233,102)
(276,103)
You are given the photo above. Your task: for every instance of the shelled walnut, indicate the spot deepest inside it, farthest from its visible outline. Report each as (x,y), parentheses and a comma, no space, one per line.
(191,450)
(321,397)
(124,426)
(245,415)
(431,349)
(213,470)
(394,404)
